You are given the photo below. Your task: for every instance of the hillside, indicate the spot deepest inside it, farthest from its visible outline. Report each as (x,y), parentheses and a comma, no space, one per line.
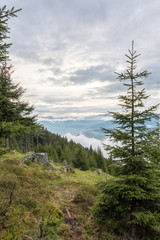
(37,203)
(58,149)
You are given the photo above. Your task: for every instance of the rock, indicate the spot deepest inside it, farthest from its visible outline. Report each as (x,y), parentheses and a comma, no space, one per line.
(38,157)
(67,169)
(26,158)
(98,171)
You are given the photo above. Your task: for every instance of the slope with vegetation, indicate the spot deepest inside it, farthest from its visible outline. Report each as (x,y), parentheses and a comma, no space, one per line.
(59,149)
(37,203)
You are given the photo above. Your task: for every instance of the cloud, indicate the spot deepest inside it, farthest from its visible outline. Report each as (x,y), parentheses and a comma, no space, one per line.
(87,142)
(92,73)
(92,116)
(65,52)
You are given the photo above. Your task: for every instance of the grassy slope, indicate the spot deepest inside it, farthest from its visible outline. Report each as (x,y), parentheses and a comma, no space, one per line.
(37,203)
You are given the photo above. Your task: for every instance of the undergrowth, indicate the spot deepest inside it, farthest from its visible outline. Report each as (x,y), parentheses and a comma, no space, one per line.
(37,203)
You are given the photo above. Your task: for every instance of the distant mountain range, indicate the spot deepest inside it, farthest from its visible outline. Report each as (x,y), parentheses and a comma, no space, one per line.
(88,128)
(91,128)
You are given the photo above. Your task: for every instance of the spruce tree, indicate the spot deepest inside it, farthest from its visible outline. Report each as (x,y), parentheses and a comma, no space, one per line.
(131,202)
(101,163)
(5,15)
(15,115)
(81,160)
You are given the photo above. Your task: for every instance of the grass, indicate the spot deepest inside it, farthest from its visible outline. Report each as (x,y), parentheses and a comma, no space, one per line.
(37,203)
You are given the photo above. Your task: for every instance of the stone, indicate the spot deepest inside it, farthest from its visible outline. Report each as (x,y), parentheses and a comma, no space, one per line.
(67,169)
(98,171)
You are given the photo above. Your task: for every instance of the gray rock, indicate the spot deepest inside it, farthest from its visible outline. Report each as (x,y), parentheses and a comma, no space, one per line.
(67,169)
(26,158)
(98,171)
(38,157)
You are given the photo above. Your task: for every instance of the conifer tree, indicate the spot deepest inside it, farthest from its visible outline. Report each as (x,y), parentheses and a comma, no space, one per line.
(81,160)
(14,114)
(5,15)
(101,163)
(131,202)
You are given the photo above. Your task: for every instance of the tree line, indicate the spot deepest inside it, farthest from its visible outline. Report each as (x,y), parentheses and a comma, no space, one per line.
(59,149)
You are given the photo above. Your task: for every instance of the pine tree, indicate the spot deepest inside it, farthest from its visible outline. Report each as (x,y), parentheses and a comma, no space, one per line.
(38,134)
(91,156)
(101,163)
(14,114)
(5,15)
(132,201)
(81,160)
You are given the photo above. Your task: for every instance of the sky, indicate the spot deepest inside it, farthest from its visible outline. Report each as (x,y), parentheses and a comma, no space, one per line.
(65,53)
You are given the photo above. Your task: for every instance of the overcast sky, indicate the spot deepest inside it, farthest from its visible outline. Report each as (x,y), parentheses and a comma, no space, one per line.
(65,52)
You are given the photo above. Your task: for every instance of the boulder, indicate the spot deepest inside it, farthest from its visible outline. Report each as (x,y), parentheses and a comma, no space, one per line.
(38,157)
(67,169)
(98,171)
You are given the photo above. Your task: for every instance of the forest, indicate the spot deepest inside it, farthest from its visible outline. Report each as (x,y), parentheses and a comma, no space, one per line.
(120,203)
(59,149)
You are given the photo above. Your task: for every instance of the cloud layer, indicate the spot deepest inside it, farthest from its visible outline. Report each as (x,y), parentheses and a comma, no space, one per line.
(87,142)
(65,52)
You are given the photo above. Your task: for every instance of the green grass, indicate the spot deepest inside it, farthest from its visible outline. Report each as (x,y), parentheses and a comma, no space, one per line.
(39,203)
(10,154)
